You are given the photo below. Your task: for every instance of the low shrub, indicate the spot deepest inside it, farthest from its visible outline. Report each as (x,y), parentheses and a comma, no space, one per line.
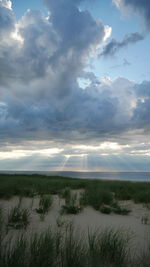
(71,204)
(105,209)
(29,192)
(145,219)
(83,199)
(66,194)
(69,209)
(18,218)
(45,204)
(142,197)
(121,210)
(60,222)
(96,197)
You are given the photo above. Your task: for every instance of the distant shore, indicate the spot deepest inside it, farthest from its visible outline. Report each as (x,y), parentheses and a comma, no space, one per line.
(125,176)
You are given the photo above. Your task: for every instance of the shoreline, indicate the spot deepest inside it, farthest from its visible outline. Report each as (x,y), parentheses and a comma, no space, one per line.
(104,176)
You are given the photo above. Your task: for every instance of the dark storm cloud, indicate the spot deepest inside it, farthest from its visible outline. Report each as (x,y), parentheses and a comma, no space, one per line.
(58,47)
(141,113)
(84,114)
(114,46)
(39,71)
(41,60)
(79,34)
(76,28)
(143,90)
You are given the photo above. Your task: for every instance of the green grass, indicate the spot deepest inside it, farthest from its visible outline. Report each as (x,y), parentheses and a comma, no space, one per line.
(143,260)
(15,254)
(1,231)
(18,218)
(118,209)
(67,247)
(96,196)
(97,191)
(75,250)
(30,185)
(71,202)
(64,247)
(1,218)
(69,209)
(110,248)
(66,194)
(106,209)
(45,204)
(43,250)
(115,208)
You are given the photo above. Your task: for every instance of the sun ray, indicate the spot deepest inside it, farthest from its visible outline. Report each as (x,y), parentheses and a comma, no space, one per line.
(64,163)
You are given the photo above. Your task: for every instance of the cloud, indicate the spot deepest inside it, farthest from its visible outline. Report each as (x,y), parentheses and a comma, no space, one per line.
(114,46)
(39,71)
(41,61)
(141,113)
(142,8)
(84,158)
(7,19)
(6,3)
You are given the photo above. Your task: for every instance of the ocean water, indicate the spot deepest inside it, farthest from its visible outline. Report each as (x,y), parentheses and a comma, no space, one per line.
(126,176)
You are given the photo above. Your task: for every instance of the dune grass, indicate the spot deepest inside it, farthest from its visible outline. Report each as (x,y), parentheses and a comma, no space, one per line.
(97,191)
(96,196)
(18,218)
(45,204)
(71,202)
(1,232)
(66,246)
(63,247)
(109,247)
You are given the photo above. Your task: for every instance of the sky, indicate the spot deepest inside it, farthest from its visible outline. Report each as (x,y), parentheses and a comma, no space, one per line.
(75,85)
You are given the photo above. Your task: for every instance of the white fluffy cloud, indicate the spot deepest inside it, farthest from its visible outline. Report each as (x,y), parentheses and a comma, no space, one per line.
(6,3)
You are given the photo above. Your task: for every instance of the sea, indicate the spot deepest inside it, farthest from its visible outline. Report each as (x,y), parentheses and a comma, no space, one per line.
(125,176)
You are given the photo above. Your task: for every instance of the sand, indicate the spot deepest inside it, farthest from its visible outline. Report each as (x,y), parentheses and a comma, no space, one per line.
(87,219)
